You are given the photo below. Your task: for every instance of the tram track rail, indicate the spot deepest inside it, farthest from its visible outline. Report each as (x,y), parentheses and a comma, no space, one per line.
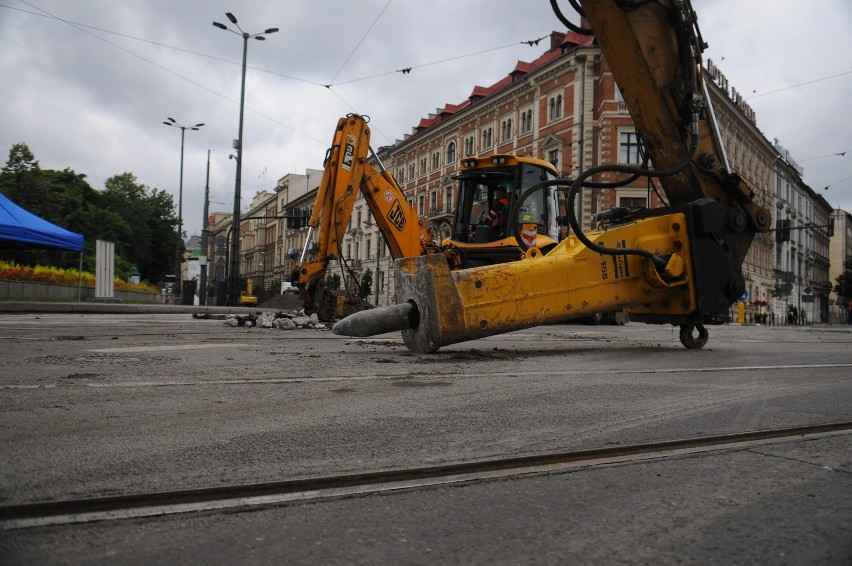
(277,493)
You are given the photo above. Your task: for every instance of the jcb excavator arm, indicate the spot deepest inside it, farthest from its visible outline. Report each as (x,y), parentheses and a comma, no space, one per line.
(681,264)
(654,51)
(347,172)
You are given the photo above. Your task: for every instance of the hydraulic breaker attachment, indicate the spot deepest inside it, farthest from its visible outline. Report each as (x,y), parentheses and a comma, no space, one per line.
(437,306)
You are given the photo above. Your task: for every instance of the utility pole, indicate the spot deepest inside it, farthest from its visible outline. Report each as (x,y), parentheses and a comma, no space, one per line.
(202,293)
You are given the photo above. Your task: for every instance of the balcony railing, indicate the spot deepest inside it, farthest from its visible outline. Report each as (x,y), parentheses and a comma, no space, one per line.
(439,213)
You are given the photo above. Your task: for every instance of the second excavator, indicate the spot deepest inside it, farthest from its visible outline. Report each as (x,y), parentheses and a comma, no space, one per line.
(477,238)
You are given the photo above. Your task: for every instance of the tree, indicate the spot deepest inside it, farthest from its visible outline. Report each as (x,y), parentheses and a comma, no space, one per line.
(21,160)
(78,208)
(139,220)
(152,224)
(332,282)
(844,281)
(780,290)
(366,285)
(22,181)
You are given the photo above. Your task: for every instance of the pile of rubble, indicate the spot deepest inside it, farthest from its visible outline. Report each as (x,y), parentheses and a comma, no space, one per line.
(279,320)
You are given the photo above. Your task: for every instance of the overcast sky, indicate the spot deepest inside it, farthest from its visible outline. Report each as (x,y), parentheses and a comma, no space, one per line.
(91,92)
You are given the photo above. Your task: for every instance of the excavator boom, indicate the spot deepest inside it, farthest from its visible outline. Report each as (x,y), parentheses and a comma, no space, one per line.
(346,173)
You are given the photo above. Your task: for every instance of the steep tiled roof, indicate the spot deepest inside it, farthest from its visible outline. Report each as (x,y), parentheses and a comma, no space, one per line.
(559,45)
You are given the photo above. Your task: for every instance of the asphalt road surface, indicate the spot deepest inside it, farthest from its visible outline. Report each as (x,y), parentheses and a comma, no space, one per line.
(112,404)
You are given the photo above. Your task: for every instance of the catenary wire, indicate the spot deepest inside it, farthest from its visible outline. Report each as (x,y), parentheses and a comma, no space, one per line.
(85,29)
(360,41)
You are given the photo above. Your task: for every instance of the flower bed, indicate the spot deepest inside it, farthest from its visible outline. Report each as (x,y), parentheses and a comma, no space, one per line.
(11,271)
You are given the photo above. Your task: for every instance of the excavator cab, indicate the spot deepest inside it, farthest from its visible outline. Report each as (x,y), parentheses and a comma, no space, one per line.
(478,238)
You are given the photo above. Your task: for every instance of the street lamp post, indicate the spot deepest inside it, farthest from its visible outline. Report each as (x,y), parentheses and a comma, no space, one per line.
(183,129)
(234,259)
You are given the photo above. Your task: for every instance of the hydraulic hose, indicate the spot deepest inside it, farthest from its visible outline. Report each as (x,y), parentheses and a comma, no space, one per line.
(568,23)
(578,184)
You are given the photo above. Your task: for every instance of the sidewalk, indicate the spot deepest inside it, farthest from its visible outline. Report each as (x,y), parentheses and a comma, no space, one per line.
(91,307)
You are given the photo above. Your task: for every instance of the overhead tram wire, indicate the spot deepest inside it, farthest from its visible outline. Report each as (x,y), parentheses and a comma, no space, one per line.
(405,70)
(80,27)
(408,70)
(175,73)
(360,41)
(806,83)
(158,44)
(836,183)
(85,29)
(836,154)
(108,42)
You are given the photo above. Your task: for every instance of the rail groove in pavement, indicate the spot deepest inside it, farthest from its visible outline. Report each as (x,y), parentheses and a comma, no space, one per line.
(268,494)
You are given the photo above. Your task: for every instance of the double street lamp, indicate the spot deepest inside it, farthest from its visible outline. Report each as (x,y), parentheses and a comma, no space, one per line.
(183,129)
(234,253)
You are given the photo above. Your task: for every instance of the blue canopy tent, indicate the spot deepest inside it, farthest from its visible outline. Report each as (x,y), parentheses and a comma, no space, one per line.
(25,228)
(22,228)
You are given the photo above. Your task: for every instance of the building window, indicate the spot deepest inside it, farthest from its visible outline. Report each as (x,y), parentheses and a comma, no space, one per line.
(448,192)
(554,108)
(422,166)
(433,202)
(400,175)
(506,130)
(469,146)
(633,202)
(368,247)
(451,153)
(526,121)
(421,205)
(411,174)
(622,106)
(436,160)
(553,158)
(487,138)
(628,148)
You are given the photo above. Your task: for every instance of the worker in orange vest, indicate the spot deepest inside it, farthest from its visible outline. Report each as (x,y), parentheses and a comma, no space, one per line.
(498,209)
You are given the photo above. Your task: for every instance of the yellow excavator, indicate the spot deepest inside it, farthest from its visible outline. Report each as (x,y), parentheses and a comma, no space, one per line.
(680,264)
(476,238)
(247,297)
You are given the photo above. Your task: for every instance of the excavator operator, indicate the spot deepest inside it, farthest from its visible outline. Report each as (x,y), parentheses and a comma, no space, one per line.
(498,209)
